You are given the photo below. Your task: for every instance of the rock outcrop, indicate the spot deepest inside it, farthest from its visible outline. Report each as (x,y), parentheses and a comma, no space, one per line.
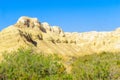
(41,37)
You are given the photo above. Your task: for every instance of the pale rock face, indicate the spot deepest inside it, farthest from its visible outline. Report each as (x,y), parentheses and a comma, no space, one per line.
(118,30)
(28,22)
(52,29)
(42,37)
(56,29)
(46,26)
(22,20)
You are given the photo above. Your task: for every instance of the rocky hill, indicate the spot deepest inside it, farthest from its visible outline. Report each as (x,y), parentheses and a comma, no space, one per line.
(41,37)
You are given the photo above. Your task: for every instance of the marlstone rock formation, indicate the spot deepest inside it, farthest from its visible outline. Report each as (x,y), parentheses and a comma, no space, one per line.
(41,37)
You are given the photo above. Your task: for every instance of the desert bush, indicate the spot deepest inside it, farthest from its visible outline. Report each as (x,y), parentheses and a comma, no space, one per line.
(25,65)
(105,66)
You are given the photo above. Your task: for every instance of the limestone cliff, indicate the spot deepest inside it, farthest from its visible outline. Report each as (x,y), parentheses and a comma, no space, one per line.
(41,37)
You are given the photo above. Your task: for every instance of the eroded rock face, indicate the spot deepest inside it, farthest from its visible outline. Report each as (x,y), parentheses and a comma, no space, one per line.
(46,26)
(42,37)
(28,22)
(58,30)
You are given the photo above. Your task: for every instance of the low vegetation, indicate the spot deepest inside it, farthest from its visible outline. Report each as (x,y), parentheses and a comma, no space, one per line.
(104,66)
(26,65)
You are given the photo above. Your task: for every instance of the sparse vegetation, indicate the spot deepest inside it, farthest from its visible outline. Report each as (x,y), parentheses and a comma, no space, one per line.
(104,66)
(26,65)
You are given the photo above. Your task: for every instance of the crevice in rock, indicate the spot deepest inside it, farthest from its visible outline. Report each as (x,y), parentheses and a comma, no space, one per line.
(28,38)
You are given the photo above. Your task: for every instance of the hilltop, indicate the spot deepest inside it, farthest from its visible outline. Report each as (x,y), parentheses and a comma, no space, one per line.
(41,37)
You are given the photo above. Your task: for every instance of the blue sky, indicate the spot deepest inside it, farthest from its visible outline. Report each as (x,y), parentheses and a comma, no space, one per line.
(70,15)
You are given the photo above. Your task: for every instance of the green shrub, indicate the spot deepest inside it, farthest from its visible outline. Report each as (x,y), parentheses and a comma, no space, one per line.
(25,65)
(104,66)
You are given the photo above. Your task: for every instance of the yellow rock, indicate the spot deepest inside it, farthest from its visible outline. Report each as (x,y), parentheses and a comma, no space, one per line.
(41,37)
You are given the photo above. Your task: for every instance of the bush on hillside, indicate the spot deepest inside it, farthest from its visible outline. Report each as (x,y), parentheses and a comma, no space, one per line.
(25,65)
(104,66)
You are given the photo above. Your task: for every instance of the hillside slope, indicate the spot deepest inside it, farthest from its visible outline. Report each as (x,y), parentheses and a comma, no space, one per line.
(41,37)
